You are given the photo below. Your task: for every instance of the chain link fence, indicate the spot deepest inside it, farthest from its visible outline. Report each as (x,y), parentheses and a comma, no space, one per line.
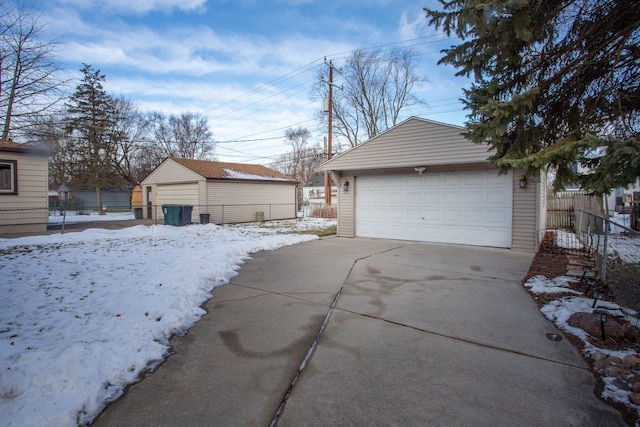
(23,216)
(616,249)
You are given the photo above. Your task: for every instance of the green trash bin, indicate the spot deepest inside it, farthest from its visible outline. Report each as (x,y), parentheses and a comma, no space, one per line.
(171,214)
(259,216)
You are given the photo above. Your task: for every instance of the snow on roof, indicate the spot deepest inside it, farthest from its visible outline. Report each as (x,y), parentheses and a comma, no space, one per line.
(231,173)
(223,170)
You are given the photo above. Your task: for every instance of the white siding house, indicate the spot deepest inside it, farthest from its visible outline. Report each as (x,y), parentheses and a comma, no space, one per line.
(422,180)
(227,192)
(23,188)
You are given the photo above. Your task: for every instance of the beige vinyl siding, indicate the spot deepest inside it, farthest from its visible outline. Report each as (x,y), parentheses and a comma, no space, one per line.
(171,172)
(27,210)
(346,207)
(525,216)
(541,203)
(178,194)
(235,201)
(415,142)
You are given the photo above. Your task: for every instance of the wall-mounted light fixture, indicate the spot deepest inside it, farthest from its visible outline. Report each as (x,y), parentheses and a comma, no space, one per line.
(345,186)
(523,182)
(419,170)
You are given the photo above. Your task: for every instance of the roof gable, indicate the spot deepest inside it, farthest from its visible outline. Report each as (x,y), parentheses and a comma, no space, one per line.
(414,142)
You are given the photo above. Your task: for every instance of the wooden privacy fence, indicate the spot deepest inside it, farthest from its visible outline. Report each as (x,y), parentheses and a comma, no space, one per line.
(561,207)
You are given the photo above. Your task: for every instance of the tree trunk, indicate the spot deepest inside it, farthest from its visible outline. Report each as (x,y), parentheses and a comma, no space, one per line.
(99,201)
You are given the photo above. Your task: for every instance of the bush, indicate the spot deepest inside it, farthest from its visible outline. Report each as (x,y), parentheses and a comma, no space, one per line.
(325,212)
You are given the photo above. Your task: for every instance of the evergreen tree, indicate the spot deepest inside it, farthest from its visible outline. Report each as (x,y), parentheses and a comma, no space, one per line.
(91,122)
(557,82)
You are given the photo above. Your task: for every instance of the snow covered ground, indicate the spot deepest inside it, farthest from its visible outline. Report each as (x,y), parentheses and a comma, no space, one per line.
(72,217)
(84,313)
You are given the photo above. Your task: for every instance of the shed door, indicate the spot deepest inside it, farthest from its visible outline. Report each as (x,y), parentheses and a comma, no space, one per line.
(472,207)
(178,194)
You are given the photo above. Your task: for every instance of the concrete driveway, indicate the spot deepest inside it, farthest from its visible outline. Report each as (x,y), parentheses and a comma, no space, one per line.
(369,332)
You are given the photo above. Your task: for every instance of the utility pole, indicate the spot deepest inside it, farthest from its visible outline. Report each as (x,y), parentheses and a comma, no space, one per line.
(327,176)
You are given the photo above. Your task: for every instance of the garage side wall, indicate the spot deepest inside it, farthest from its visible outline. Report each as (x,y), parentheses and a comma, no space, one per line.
(234,201)
(525,213)
(346,207)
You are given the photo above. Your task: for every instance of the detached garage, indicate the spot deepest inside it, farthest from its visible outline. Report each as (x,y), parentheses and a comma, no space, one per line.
(224,192)
(423,181)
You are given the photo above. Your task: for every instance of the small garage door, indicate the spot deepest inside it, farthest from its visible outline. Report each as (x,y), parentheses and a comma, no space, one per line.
(473,207)
(178,194)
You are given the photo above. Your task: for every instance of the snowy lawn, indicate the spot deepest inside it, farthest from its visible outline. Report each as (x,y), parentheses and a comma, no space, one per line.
(84,313)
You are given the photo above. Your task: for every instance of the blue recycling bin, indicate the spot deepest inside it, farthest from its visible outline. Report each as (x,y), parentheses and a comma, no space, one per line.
(185,214)
(171,214)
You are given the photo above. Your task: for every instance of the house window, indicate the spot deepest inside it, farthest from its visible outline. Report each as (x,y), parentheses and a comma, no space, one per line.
(8,177)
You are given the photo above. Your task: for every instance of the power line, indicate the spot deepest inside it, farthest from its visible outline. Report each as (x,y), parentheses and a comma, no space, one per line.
(310,65)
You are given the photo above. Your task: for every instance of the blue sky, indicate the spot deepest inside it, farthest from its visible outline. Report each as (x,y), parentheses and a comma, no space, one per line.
(248,65)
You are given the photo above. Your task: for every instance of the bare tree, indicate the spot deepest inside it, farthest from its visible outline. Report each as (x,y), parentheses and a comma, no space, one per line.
(28,70)
(133,158)
(303,160)
(186,135)
(376,88)
(50,130)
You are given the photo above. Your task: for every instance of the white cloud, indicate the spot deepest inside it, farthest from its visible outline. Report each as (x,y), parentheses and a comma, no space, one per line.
(139,6)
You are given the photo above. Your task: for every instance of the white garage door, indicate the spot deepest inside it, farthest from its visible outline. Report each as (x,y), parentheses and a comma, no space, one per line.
(178,194)
(473,208)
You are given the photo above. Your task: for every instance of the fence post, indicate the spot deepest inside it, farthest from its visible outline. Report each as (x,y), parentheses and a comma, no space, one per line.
(603,267)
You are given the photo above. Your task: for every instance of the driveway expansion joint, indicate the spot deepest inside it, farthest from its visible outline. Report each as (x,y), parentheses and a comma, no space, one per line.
(465,340)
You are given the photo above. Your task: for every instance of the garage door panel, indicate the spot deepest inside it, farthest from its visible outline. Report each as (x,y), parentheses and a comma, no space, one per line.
(414,215)
(498,197)
(473,198)
(499,217)
(501,180)
(397,198)
(473,179)
(438,207)
(474,216)
(453,179)
(431,180)
(432,198)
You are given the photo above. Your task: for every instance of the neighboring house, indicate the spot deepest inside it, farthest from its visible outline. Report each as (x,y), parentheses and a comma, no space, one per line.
(423,181)
(80,199)
(313,190)
(618,200)
(228,192)
(24,174)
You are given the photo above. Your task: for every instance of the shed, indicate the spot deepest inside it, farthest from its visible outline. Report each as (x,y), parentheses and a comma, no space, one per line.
(227,192)
(423,181)
(24,188)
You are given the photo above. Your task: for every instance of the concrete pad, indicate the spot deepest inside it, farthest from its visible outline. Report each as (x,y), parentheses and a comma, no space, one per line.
(230,369)
(419,335)
(436,297)
(370,372)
